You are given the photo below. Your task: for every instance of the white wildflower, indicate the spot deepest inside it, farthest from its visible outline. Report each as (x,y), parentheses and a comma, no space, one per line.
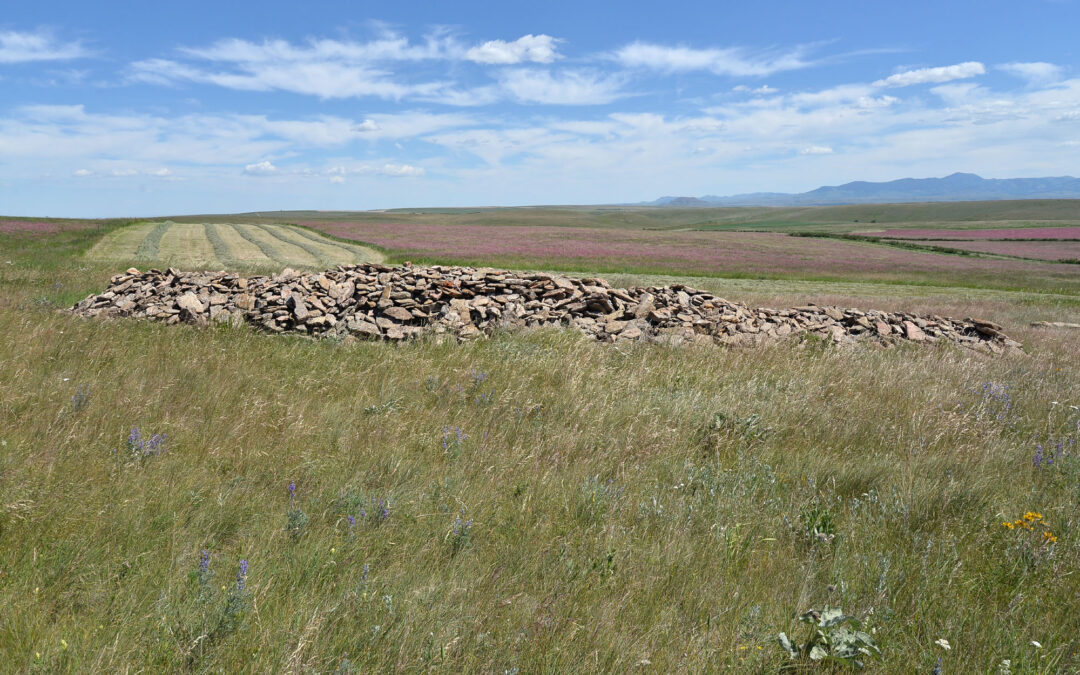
(943,643)
(1036,644)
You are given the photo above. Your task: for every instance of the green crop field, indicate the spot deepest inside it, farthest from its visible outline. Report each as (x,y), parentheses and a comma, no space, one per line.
(176,499)
(227,246)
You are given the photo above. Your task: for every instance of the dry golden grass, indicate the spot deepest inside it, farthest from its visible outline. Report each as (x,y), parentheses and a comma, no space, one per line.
(630,507)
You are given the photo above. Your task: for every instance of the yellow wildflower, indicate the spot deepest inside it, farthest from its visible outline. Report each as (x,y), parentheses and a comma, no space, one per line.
(1009,525)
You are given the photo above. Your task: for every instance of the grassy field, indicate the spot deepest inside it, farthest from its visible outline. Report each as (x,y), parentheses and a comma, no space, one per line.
(966,215)
(530,503)
(220,246)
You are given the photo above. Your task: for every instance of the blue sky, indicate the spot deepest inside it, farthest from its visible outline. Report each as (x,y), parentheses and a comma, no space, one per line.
(134,108)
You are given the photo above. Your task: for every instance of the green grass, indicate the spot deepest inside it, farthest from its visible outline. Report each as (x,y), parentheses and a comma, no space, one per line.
(630,504)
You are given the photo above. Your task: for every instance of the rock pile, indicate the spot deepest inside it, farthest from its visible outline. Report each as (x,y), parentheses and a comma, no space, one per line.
(394,303)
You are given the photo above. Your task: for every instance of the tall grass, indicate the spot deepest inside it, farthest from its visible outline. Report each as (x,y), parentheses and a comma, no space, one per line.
(529,503)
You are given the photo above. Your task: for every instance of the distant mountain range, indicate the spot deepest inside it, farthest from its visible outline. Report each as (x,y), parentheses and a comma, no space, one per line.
(958,187)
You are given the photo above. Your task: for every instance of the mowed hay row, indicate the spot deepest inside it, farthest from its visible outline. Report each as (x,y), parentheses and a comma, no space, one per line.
(120,244)
(328,252)
(285,249)
(226,246)
(186,244)
(242,250)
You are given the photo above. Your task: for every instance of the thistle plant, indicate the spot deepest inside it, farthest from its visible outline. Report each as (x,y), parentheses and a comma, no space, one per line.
(833,638)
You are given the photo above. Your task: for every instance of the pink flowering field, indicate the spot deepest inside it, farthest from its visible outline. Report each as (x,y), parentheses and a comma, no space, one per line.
(34,226)
(1003,233)
(693,252)
(1040,250)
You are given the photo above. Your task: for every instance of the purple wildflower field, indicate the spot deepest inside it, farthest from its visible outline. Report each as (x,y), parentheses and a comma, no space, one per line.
(1041,250)
(1004,233)
(13,226)
(679,252)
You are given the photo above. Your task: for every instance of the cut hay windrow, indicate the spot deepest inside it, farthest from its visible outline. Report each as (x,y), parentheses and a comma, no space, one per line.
(394,303)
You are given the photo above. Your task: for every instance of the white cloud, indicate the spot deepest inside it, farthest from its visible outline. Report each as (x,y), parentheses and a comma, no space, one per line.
(336,69)
(958,71)
(816,150)
(389,46)
(1036,71)
(325,79)
(83,173)
(732,61)
(569,87)
(264,168)
(337,173)
(401,170)
(367,125)
(16,47)
(535,48)
(162,173)
(763,89)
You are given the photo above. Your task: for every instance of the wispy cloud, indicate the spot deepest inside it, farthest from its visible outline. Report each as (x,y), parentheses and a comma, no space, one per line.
(324,79)
(20,47)
(763,89)
(336,69)
(535,48)
(731,61)
(1035,71)
(568,87)
(937,75)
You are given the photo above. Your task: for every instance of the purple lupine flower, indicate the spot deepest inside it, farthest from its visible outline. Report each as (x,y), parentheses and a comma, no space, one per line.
(292,489)
(204,561)
(363,575)
(134,441)
(1039,458)
(156,445)
(241,575)
(352,521)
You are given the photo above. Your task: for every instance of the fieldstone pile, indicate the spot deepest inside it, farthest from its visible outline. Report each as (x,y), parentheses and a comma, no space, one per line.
(395,303)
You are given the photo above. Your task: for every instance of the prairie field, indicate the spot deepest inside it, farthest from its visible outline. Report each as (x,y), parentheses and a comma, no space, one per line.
(1037,250)
(761,254)
(991,233)
(219,500)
